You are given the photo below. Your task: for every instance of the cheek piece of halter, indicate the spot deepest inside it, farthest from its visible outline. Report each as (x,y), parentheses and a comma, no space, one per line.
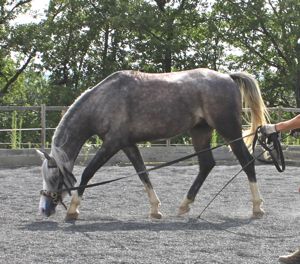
(56,197)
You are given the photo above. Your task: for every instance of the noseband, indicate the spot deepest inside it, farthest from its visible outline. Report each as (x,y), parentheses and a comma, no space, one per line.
(56,197)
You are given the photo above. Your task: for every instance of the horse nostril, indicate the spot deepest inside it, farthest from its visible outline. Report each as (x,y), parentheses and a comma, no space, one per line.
(45,212)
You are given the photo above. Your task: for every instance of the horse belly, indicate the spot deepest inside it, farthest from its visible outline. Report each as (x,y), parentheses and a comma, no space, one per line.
(160,126)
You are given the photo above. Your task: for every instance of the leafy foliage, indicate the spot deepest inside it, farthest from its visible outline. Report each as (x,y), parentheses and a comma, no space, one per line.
(266,32)
(80,42)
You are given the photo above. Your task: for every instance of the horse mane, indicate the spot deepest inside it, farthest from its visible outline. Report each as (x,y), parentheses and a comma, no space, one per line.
(60,129)
(59,133)
(60,136)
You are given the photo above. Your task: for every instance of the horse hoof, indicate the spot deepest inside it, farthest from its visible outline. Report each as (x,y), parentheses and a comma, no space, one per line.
(183,210)
(258,215)
(156,215)
(71,217)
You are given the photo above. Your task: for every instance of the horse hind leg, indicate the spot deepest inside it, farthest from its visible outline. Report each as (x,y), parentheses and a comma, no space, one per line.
(201,136)
(136,159)
(247,162)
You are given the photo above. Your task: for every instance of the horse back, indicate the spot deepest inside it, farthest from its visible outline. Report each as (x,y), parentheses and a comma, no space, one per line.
(150,106)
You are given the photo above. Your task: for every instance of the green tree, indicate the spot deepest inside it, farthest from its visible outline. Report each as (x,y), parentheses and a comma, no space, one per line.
(15,40)
(266,33)
(82,45)
(171,35)
(87,40)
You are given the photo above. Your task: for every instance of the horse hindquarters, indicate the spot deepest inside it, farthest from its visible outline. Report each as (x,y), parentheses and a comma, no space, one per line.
(201,136)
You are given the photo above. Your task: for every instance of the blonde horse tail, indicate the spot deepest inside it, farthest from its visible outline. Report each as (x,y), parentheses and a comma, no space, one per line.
(252,99)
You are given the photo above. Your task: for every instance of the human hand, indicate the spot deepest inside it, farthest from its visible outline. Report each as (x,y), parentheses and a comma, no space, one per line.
(268,129)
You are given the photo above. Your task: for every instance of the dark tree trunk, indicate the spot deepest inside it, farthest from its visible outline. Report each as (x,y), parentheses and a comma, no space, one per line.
(297,79)
(168,45)
(11,81)
(105,48)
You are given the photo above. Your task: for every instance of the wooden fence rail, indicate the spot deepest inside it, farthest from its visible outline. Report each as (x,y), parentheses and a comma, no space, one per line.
(43,110)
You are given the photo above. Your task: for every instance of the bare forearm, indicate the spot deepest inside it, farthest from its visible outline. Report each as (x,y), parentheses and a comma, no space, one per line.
(284,126)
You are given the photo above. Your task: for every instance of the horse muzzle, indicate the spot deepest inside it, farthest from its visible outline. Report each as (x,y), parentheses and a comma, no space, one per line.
(48,203)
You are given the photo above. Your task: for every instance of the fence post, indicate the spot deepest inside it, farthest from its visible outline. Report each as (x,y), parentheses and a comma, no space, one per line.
(168,143)
(43,126)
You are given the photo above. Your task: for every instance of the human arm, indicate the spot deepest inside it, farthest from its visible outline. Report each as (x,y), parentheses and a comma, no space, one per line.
(290,124)
(283,126)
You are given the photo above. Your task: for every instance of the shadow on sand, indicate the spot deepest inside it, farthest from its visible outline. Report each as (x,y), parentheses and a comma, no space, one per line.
(112,224)
(225,224)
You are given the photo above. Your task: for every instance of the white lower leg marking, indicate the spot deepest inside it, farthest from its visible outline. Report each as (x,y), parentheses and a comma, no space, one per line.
(185,202)
(75,202)
(154,203)
(256,198)
(254,191)
(184,206)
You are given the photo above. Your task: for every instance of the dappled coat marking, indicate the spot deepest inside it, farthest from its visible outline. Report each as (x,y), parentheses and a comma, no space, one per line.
(129,107)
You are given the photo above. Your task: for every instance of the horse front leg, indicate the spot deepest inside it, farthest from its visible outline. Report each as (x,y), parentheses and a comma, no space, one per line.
(136,159)
(106,151)
(73,211)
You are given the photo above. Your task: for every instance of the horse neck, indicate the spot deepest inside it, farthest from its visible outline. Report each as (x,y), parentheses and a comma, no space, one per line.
(68,141)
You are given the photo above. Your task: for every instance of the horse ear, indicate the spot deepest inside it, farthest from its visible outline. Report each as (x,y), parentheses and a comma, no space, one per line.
(44,155)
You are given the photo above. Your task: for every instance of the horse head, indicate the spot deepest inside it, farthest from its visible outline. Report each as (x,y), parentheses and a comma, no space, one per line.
(55,177)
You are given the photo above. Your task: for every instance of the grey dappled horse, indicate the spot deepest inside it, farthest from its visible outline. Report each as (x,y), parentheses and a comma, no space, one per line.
(130,107)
